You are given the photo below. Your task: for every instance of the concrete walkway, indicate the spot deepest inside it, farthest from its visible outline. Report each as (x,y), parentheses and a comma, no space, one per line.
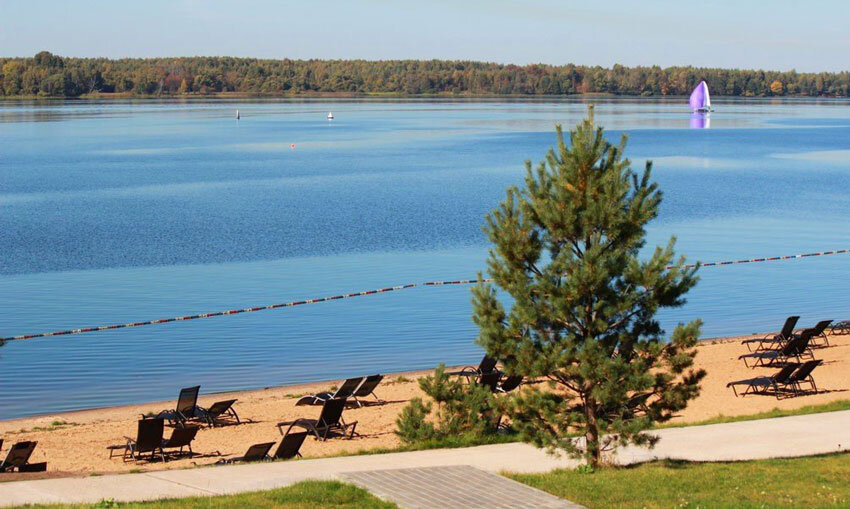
(782,437)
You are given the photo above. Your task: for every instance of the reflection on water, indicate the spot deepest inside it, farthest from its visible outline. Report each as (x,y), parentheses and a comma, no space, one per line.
(700,120)
(122,211)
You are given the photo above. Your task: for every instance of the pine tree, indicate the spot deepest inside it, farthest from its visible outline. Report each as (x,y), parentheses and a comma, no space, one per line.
(582,314)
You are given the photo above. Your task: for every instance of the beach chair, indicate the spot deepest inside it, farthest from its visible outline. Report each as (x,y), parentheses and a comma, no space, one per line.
(509,383)
(290,445)
(346,390)
(257,452)
(774,340)
(841,327)
(489,380)
(636,405)
(329,420)
(186,410)
(760,385)
(804,376)
(148,440)
(487,365)
(180,438)
(368,388)
(18,457)
(819,338)
(220,413)
(797,348)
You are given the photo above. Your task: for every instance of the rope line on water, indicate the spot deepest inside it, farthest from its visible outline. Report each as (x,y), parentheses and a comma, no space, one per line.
(207,315)
(359,294)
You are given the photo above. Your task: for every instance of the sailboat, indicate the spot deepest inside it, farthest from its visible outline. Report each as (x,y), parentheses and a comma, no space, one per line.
(330,116)
(237,114)
(700,99)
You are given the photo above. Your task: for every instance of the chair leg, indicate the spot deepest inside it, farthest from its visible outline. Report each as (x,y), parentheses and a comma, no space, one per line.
(811,382)
(312,428)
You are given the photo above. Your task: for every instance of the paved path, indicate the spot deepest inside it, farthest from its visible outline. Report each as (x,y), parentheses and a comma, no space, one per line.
(458,487)
(786,436)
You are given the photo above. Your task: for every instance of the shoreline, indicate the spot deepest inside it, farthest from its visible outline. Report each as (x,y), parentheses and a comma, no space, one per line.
(75,443)
(290,387)
(167,403)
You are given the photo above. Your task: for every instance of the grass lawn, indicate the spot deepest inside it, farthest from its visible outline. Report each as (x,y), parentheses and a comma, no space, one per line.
(833,406)
(502,438)
(303,495)
(818,481)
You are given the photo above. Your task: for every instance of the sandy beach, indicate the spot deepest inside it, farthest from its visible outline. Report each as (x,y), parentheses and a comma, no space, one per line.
(75,443)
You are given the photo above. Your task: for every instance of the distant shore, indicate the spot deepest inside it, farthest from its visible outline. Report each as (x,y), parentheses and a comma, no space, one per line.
(318,95)
(388,95)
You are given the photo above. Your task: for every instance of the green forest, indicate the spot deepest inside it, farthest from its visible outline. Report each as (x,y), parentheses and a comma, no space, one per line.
(49,75)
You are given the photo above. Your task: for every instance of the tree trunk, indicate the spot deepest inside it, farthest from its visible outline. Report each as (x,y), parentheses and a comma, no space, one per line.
(593,450)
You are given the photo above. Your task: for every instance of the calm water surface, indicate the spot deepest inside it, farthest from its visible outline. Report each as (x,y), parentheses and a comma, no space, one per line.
(113,212)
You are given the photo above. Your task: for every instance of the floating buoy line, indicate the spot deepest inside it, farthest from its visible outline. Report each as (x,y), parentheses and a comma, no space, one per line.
(360,294)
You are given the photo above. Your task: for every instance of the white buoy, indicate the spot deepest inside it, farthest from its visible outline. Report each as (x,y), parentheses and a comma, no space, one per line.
(330,116)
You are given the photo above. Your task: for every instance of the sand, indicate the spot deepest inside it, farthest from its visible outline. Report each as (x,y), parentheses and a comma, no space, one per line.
(75,443)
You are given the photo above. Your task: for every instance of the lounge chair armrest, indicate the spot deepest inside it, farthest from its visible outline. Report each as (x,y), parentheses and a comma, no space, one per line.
(304,423)
(466,371)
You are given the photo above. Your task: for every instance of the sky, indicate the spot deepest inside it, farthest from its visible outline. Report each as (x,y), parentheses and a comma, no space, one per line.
(776,35)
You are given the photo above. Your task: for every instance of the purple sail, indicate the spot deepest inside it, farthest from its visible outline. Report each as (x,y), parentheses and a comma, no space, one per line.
(700,100)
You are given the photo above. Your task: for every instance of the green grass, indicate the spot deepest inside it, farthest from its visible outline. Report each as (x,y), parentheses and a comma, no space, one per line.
(503,438)
(818,481)
(303,495)
(54,425)
(453,442)
(833,406)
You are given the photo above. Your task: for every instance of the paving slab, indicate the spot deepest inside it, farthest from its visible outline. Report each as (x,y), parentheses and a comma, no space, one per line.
(458,487)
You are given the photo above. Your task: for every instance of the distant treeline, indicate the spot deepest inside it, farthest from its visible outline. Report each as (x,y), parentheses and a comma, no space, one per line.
(50,75)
